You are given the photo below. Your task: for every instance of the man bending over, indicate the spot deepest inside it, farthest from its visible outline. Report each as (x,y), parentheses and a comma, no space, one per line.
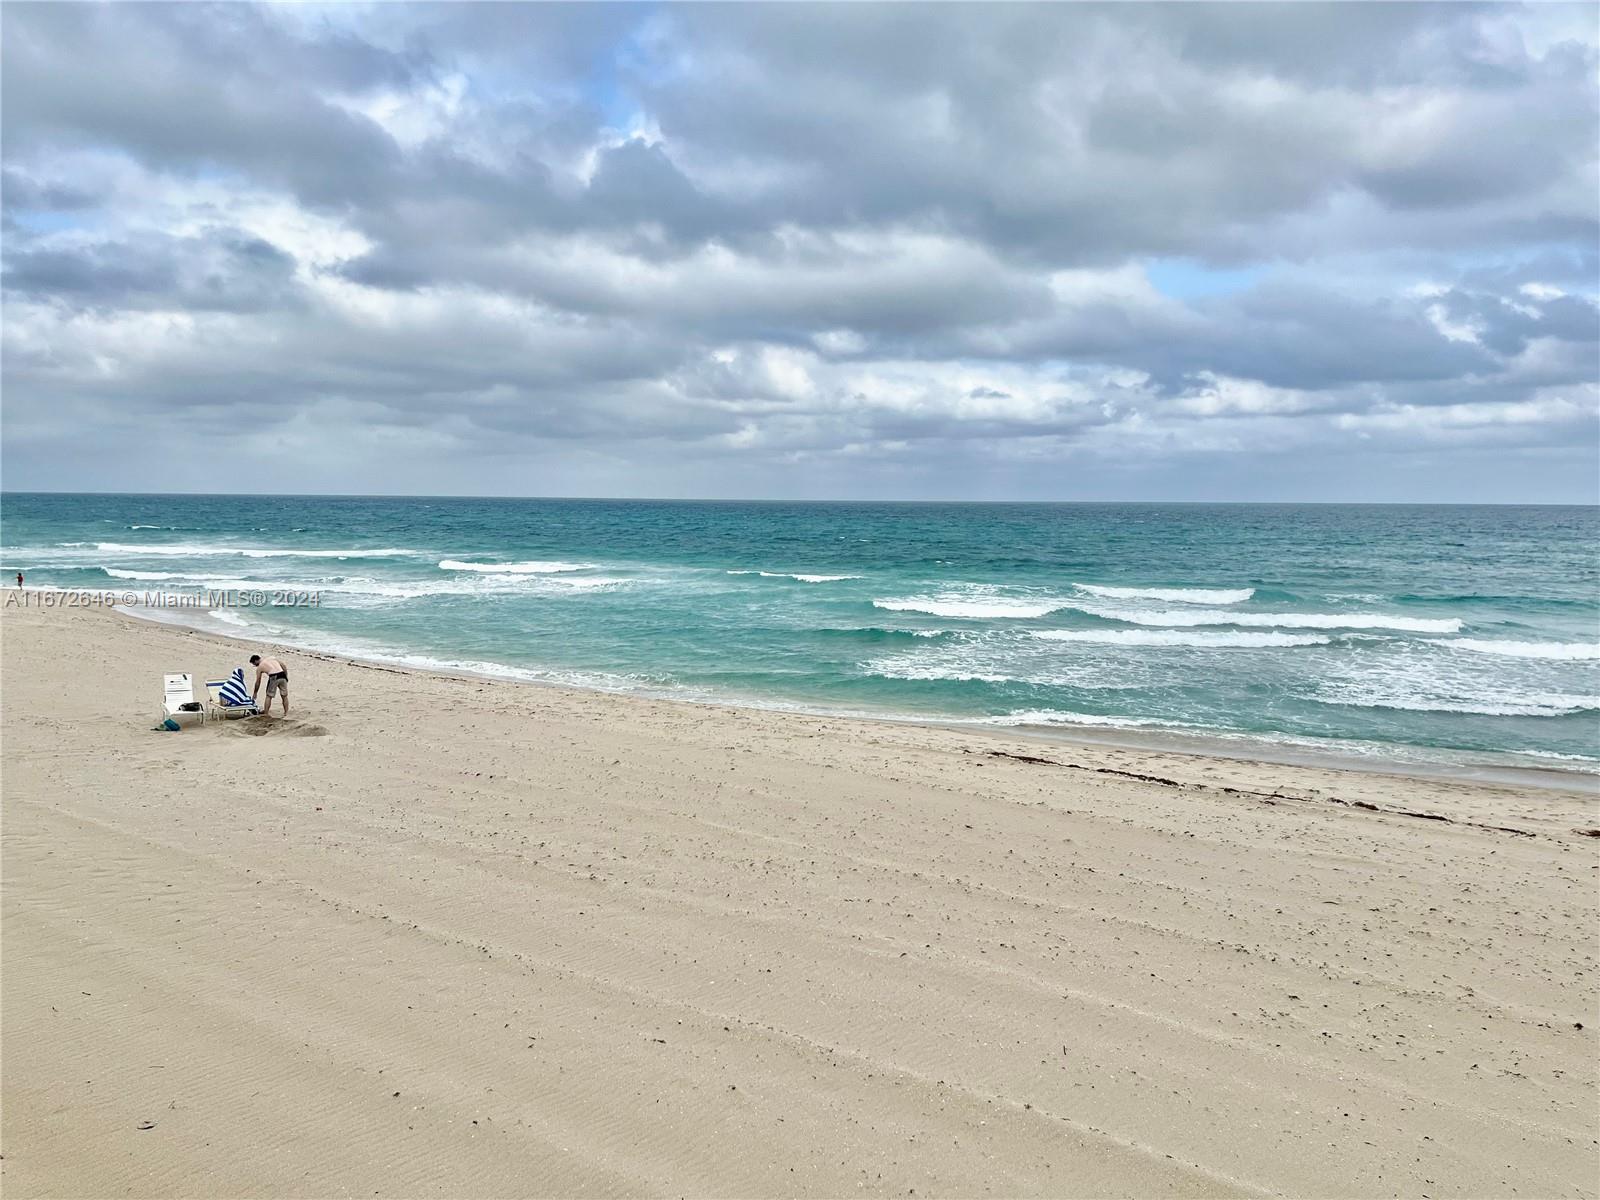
(277,677)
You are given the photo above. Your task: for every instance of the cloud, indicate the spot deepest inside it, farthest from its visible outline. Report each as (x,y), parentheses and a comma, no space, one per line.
(863,249)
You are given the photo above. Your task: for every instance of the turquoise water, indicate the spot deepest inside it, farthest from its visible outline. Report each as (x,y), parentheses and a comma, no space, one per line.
(1412,633)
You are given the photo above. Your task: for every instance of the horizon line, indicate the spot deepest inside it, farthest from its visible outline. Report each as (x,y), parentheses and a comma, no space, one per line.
(780,500)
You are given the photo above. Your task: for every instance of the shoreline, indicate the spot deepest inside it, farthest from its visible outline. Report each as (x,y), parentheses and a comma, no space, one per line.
(439,935)
(1218,744)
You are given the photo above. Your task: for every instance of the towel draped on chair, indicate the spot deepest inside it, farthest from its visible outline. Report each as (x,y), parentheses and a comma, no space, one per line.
(234,694)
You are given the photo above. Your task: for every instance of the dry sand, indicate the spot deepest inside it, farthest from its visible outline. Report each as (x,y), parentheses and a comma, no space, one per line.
(448,937)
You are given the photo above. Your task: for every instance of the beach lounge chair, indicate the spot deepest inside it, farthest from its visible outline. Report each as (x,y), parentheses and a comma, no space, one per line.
(229,697)
(176,691)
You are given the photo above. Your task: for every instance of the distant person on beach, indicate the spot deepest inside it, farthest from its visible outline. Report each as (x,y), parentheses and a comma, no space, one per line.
(277,677)
(19,578)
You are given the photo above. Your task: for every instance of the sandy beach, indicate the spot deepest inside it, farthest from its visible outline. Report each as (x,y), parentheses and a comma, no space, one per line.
(441,936)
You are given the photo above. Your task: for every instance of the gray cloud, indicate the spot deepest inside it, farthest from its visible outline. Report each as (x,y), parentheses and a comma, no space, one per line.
(217,270)
(772,249)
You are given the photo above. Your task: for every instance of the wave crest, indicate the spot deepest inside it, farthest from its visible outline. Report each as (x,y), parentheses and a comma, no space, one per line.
(203,550)
(534,567)
(1179,595)
(877,633)
(1173,637)
(150,576)
(969,608)
(1191,617)
(1052,716)
(1573,651)
(1554,705)
(799,576)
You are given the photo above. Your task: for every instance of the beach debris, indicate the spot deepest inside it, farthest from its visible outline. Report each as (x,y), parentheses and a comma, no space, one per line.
(1027,758)
(145,1125)
(1275,795)
(1051,762)
(1587,832)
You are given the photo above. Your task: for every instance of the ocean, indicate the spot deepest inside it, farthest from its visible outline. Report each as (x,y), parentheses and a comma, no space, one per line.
(1455,636)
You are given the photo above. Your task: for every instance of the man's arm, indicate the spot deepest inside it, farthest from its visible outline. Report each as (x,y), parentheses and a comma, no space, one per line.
(256,687)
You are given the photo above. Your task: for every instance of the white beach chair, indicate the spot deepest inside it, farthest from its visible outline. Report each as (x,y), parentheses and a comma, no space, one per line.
(230,698)
(176,691)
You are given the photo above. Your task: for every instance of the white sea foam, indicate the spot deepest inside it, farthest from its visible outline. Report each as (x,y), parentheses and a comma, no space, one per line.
(535,567)
(357,588)
(1558,756)
(590,583)
(386,552)
(1512,649)
(1053,716)
(593,681)
(207,550)
(932,671)
(1189,617)
(150,576)
(1179,595)
(480,584)
(1174,637)
(1548,705)
(228,618)
(972,608)
(796,575)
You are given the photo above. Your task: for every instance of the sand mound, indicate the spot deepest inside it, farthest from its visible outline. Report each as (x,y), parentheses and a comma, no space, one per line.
(274,727)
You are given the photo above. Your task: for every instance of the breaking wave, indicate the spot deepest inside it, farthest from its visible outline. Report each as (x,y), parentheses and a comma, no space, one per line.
(796,576)
(970,608)
(149,576)
(1553,705)
(1184,617)
(358,588)
(1179,595)
(535,567)
(1171,637)
(1059,717)
(1572,651)
(877,633)
(187,550)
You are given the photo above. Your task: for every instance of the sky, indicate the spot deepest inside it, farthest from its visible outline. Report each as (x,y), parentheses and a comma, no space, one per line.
(1048,251)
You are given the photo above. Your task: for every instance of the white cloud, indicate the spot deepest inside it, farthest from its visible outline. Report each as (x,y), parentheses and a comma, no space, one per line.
(911,241)
(1454,330)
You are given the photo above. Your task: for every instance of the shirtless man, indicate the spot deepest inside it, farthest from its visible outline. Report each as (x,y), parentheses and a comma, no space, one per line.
(277,677)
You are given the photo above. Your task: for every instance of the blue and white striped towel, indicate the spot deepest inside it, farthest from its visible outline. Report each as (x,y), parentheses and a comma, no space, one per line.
(234,694)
